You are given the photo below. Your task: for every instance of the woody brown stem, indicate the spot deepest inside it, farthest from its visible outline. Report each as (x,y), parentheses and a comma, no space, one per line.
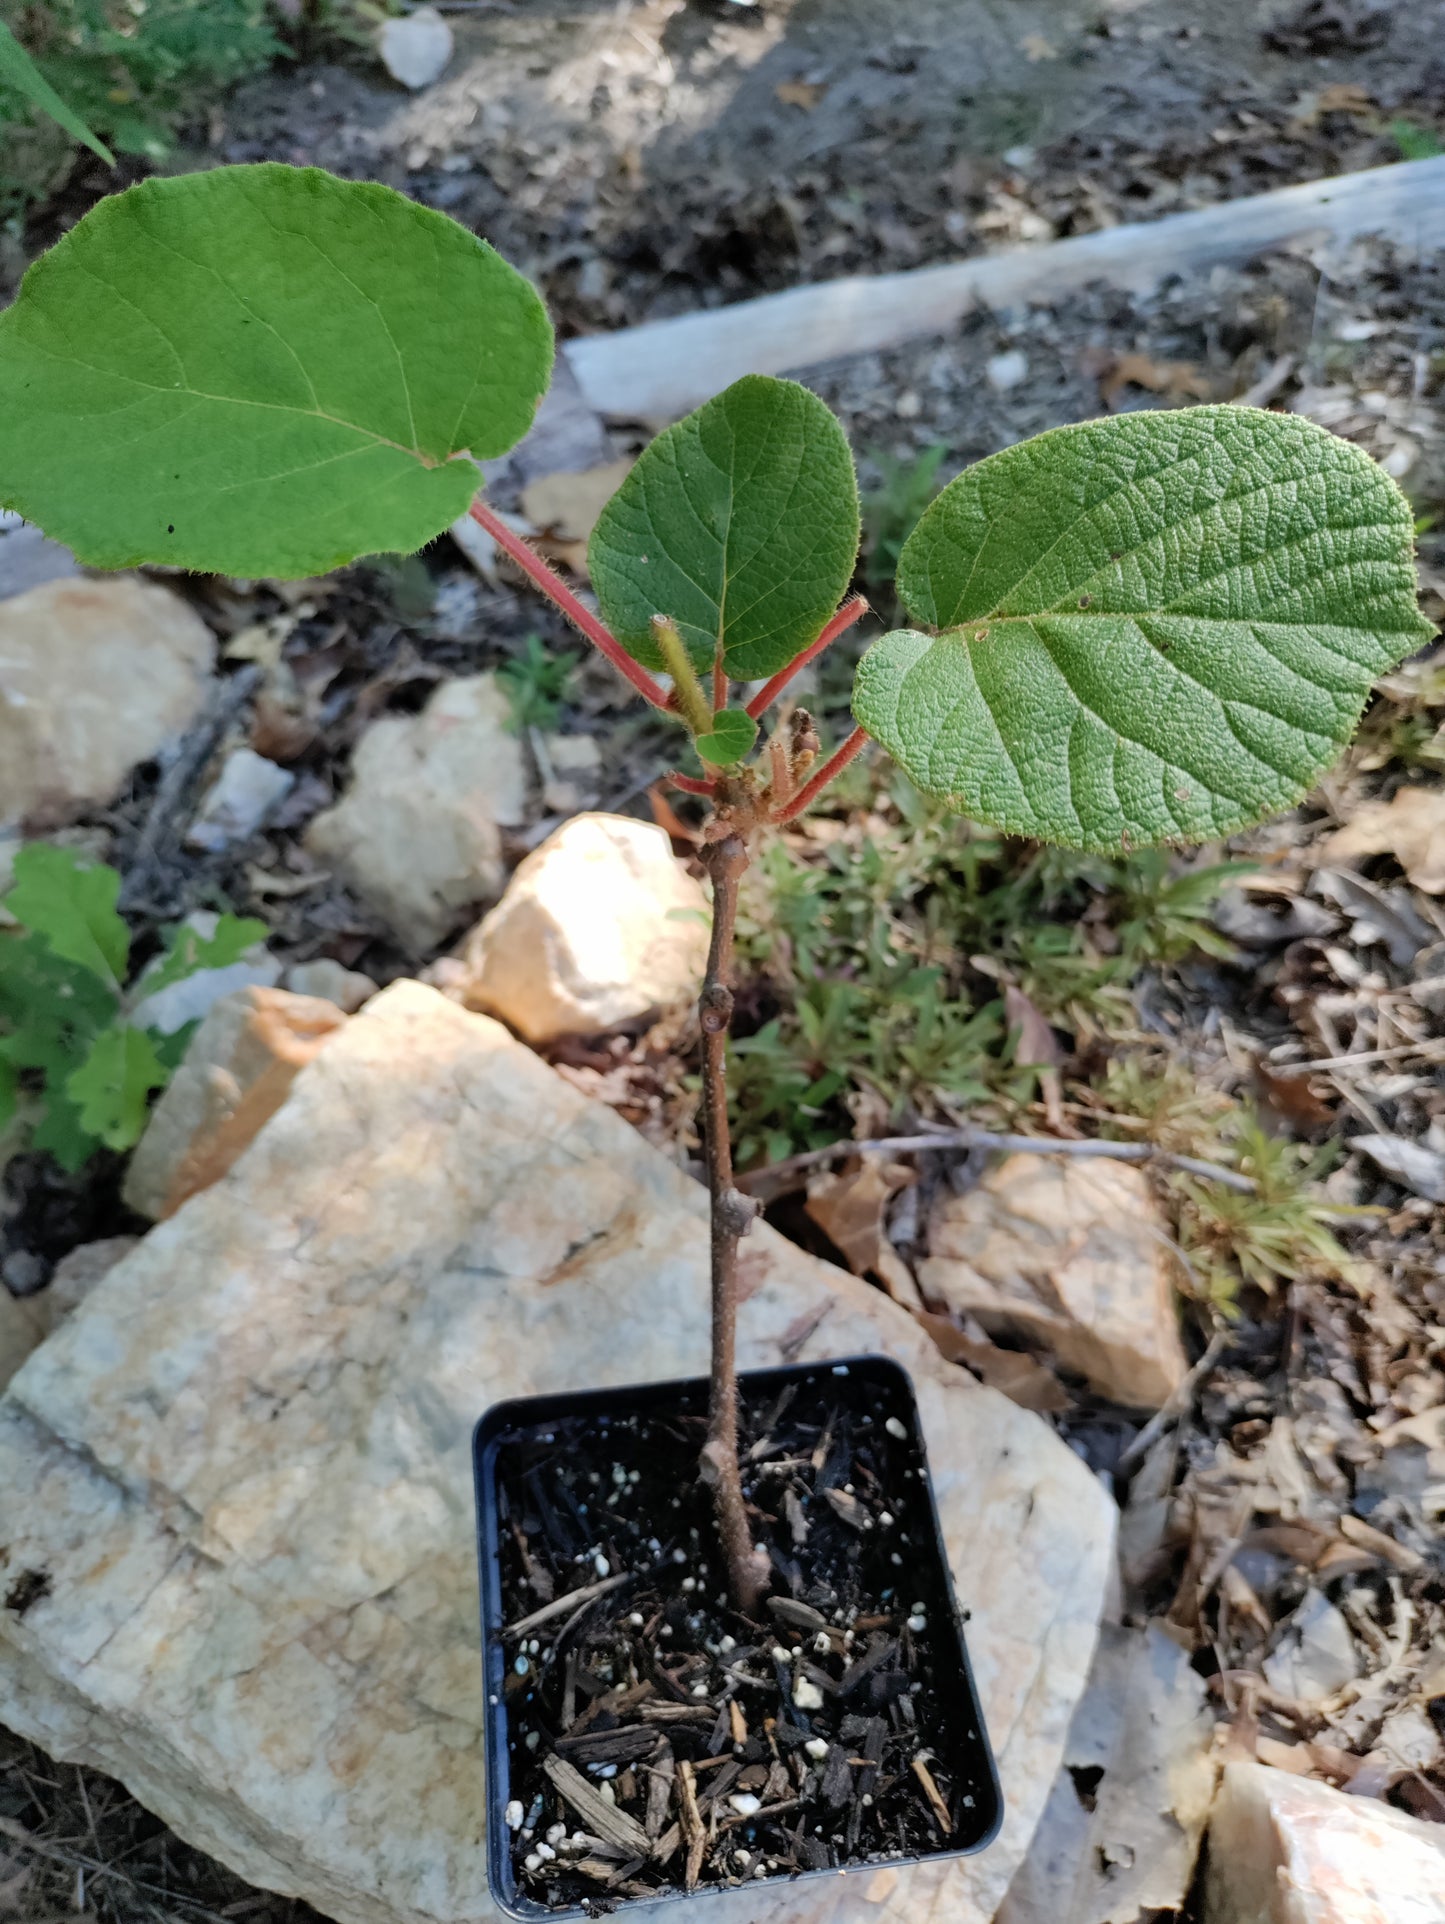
(726,860)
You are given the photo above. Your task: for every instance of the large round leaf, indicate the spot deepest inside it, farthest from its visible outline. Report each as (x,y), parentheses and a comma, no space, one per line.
(261,371)
(1155,628)
(741,523)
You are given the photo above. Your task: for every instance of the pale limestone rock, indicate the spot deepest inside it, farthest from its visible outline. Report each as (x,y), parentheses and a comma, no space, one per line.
(1287,1850)
(23,1327)
(236,1074)
(77,1274)
(244,1465)
(95,676)
(1070,1254)
(597,926)
(1142,1738)
(417,834)
(347,988)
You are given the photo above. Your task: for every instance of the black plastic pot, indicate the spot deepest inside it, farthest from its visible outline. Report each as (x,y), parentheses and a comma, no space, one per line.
(872,1384)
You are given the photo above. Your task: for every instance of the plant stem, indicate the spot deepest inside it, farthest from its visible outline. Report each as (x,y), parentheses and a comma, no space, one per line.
(770,690)
(726,860)
(814,786)
(561,596)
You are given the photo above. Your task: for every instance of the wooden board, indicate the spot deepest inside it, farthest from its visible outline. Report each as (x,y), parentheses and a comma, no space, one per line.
(660,370)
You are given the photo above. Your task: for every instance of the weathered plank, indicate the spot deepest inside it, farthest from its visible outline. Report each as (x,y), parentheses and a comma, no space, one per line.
(661,369)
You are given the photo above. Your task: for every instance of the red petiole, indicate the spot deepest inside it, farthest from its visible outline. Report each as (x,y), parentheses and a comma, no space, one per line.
(561,596)
(770,690)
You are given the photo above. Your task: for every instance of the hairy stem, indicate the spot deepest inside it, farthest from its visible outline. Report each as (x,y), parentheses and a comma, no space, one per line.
(770,690)
(726,860)
(688,697)
(814,786)
(561,596)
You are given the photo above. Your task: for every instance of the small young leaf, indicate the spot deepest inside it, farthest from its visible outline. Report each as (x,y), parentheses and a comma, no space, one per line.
(190,951)
(111,1087)
(741,523)
(18,70)
(732,735)
(1158,627)
(71,903)
(261,371)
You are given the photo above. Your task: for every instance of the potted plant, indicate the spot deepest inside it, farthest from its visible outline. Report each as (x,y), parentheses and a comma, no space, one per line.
(705,1664)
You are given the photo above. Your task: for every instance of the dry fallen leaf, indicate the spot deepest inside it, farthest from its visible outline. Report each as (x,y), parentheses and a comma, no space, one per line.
(848,1206)
(1037,1049)
(801,93)
(1012,1372)
(1176,378)
(567,505)
(1410,826)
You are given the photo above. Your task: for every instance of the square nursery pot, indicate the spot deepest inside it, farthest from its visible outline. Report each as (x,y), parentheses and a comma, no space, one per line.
(643,1739)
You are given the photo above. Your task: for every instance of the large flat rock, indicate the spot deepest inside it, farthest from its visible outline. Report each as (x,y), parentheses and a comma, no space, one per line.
(239,1474)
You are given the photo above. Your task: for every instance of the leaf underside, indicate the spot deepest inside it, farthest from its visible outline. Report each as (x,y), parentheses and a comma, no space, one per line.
(1159,627)
(261,371)
(741,523)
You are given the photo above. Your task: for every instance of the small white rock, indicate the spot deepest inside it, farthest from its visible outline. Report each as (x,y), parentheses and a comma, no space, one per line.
(556,1833)
(238,801)
(1005,371)
(601,1565)
(636,1619)
(915,1624)
(514,1815)
(817,1748)
(546,1853)
(885,1519)
(532,1861)
(607,1794)
(896,1428)
(415,49)
(806,1694)
(745,1804)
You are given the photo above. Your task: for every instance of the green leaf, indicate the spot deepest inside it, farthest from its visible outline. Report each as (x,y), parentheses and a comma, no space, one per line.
(71,902)
(18,70)
(190,951)
(50,1002)
(261,371)
(8,1093)
(60,1133)
(112,1086)
(732,735)
(1159,627)
(741,523)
